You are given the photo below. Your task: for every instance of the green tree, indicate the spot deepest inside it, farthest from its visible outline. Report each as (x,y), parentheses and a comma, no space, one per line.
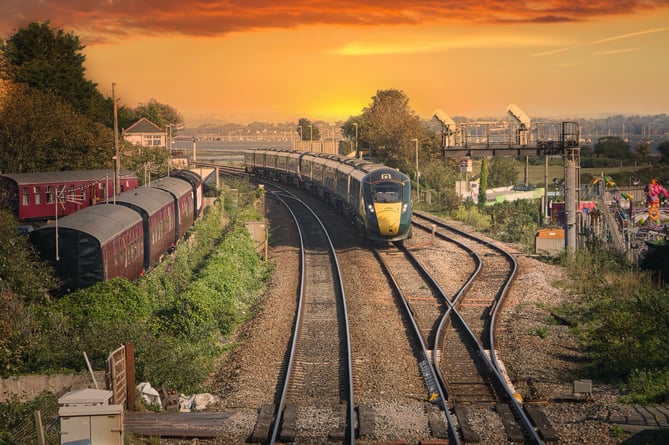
(613,147)
(159,113)
(51,60)
(41,132)
(24,275)
(663,149)
(503,171)
(387,127)
(483,186)
(307,130)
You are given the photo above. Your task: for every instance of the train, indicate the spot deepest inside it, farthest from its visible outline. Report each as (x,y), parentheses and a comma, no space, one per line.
(35,198)
(124,237)
(375,197)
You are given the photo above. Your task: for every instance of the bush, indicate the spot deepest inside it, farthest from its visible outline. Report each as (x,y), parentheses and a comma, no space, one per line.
(620,318)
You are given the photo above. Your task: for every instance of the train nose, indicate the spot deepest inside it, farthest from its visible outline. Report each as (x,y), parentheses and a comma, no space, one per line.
(388,217)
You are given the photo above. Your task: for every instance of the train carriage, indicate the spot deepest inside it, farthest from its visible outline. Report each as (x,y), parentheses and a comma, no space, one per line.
(196,183)
(37,197)
(184,203)
(94,244)
(156,208)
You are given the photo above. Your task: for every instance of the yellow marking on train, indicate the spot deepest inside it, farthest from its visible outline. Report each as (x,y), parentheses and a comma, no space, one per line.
(388,215)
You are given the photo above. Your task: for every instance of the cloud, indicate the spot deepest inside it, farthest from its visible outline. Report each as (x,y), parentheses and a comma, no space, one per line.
(615,51)
(116,19)
(606,40)
(425,43)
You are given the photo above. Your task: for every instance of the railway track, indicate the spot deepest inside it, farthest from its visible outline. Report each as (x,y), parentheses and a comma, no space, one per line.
(317,380)
(465,353)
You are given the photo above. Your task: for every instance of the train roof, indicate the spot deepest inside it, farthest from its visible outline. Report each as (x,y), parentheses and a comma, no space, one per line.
(189,175)
(177,186)
(149,199)
(65,175)
(102,221)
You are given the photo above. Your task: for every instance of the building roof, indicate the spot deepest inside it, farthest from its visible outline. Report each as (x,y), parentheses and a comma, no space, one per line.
(144,126)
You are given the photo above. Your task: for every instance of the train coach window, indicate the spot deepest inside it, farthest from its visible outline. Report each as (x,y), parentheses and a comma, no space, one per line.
(25,197)
(387,192)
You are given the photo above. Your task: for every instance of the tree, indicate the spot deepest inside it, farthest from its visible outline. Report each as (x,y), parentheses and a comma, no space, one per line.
(158,113)
(387,127)
(40,132)
(503,172)
(663,149)
(613,147)
(307,130)
(51,60)
(24,275)
(483,186)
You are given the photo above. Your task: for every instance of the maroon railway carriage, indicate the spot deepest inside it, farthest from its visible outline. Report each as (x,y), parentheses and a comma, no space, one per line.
(195,181)
(184,202)
(36,197)
(156,208)
(95,244)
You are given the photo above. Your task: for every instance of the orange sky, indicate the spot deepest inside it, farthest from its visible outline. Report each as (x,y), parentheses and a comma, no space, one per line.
(256,60)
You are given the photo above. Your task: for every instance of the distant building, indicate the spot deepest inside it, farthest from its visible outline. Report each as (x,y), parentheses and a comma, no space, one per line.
(145,134)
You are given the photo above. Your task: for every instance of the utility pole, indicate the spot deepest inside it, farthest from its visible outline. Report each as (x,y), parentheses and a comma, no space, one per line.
(117,156)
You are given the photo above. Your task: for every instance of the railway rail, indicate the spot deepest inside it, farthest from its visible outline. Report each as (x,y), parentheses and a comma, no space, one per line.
(464,353)
(318,375)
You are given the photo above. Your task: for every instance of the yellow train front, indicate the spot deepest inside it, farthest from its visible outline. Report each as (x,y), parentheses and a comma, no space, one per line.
(375,197)
(384,211)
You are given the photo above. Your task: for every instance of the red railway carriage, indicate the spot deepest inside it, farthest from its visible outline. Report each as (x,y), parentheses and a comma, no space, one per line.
(184,202)
(156,208)
(35,197)
(94,244)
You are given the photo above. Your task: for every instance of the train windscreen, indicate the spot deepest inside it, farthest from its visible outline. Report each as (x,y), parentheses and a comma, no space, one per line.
(387,192)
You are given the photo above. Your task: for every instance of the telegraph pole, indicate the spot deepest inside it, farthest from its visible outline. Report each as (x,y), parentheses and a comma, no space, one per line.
(117,156)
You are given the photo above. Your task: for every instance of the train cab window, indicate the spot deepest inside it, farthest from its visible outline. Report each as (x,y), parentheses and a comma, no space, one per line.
(387,192)
(25,197)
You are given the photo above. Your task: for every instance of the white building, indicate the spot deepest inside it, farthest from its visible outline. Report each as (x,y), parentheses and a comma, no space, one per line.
(145,134)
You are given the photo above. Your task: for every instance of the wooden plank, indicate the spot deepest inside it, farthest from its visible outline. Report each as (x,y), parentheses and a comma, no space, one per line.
(366,420)
(181,425)
(289,423)
(468,434)
(261,430)
(437,422)
(510,425)
(539,419)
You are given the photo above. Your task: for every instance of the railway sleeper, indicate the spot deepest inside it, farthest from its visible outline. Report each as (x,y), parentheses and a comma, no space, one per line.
(513,431)
(366,420)
(436,421)
(340,432)
(289,423)
(468,433)
(262,428)
(541,422)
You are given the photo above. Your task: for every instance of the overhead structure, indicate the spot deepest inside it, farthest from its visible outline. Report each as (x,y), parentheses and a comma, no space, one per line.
(522,134)
(449,129)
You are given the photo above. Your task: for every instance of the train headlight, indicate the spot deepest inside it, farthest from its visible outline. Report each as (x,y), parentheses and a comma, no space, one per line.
(405,207)
(370,208)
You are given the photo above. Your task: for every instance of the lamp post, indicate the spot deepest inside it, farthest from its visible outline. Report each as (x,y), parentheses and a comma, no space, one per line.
(311,136)
(168,145)
(355,124)
(117,153)
(417,172)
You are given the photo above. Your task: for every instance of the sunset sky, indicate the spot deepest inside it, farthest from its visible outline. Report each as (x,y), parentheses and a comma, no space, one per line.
(277,61)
